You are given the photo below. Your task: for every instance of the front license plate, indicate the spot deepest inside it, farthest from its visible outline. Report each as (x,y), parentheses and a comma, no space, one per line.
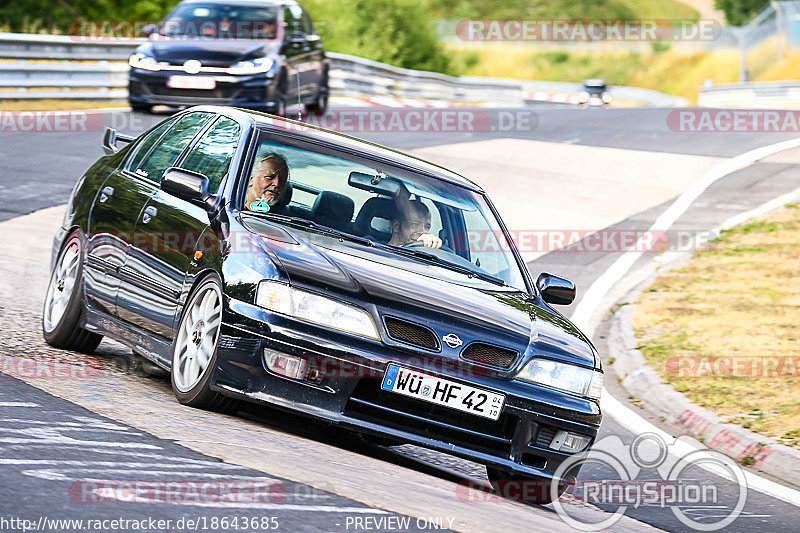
(443,392)
(191,82)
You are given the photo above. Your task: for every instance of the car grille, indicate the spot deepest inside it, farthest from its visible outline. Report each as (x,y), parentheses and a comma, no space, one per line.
(411,333)
(368,402)
(219,92)
(489,355)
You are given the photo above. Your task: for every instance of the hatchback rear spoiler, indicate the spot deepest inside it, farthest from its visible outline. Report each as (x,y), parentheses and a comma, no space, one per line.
(110,141)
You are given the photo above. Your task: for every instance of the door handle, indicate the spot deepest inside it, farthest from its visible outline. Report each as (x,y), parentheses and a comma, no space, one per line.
(149,214)
(107,193)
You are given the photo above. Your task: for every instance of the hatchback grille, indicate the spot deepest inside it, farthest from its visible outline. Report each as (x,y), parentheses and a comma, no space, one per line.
(411,333)
(489,355)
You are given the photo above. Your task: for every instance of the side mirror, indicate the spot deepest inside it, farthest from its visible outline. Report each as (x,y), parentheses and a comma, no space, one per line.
(555,290)
(187,185)
(297,39)
(147,30)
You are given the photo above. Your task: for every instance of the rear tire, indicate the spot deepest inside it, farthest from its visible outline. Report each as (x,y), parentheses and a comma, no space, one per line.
(64,302)
(194,350)
(521,488)
(320,104)
(141,108)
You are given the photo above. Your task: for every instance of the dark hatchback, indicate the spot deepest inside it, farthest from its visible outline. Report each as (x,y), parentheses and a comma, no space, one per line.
(304,298)
(258,54)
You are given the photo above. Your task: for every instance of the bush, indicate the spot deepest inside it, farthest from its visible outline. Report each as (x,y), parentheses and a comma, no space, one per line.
(398,32)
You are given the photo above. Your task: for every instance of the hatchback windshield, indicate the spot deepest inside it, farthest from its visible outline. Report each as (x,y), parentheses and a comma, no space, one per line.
(414,216)
(221,21)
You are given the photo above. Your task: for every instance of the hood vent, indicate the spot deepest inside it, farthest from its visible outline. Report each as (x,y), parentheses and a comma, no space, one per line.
(486,354)
(411,333)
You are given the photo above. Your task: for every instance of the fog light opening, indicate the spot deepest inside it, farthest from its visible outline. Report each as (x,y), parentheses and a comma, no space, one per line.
(285,365)
(566,441)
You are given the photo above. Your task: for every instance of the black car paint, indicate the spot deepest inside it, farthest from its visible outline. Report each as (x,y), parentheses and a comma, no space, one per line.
(299,71)
(243,253)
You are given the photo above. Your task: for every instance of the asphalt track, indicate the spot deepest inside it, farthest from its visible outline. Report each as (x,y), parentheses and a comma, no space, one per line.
(38,170)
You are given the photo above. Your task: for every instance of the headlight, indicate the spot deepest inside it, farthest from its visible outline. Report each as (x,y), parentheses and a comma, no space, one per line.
(255,66)
(282,298)
(144,62)
(569,378)
(583,97)
(607,98)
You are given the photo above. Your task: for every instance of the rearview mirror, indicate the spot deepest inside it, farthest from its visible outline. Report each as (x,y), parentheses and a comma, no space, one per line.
(187,185)
(555,290)
(378,183)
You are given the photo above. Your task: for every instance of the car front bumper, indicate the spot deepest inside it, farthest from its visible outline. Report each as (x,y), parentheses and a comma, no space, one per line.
(253,92)
(347,393)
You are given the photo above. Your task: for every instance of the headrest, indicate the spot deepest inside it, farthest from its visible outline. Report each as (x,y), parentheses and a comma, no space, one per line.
(284,200)
(374,218)
(333,209)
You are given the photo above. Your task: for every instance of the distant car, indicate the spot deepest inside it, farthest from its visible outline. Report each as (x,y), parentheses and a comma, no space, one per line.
(312,305)
(594,93)
(257,54)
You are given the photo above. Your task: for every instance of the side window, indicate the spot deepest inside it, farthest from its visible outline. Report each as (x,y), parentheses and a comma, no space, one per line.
(166,151)
(292,17)
(147,143)
(308,26)
(212,154)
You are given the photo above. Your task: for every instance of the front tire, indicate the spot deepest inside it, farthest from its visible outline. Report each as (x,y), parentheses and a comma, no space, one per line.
(521,488)
(194,351)
(64,301)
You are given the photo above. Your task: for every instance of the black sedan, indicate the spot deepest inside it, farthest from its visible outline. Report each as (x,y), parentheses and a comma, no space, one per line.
(265,260)
(258,54)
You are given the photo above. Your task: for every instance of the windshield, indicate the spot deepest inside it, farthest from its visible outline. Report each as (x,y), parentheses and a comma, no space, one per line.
(221,21)
(416,217)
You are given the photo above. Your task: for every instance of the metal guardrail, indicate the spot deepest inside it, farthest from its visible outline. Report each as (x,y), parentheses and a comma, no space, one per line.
(59,66)
(752,95)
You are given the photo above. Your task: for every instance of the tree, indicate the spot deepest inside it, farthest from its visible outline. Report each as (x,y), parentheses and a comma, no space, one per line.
(740,12)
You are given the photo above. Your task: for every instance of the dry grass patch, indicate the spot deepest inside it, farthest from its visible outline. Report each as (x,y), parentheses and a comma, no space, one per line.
(725,328)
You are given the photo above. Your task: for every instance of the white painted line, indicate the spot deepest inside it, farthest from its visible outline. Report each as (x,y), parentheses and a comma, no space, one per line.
(18,404)
(598,290)
(638,425)
(4,461)
(582,316)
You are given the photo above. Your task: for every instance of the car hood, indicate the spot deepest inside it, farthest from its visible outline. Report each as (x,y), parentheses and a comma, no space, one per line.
(473,310)
(211,53)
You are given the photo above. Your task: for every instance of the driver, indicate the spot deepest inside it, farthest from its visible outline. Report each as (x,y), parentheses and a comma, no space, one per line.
(268,182)
(412,223)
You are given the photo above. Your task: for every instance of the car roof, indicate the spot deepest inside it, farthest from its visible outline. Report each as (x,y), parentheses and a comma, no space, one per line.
(594,82)
(336,139)
(242,2)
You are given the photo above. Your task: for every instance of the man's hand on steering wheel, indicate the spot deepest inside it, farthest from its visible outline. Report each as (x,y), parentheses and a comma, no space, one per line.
(430,241)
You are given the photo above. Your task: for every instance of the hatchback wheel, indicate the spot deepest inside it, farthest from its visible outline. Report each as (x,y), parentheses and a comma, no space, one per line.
(194,351)
(62,304)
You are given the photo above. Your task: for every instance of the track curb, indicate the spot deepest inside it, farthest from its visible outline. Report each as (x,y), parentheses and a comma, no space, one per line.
(681,415)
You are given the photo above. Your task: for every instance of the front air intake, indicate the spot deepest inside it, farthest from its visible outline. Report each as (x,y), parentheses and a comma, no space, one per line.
(487,354)
(411,333)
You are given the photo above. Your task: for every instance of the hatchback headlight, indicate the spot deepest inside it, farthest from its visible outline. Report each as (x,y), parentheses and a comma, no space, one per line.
(255,66)
(144,62)
(570,378)
(281,298)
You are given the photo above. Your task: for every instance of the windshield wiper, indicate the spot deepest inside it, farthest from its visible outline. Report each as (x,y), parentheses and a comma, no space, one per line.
(443,262)
(311,225)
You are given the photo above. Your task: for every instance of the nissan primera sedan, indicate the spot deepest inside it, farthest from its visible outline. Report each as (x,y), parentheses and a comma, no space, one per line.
(264,260)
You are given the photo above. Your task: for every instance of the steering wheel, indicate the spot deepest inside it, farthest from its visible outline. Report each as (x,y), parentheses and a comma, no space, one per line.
(419,244)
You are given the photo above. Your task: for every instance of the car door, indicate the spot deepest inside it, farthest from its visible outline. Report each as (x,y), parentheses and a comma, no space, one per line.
(139,287)
(172,227)
(313,63)
(294,50)
(112,220)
